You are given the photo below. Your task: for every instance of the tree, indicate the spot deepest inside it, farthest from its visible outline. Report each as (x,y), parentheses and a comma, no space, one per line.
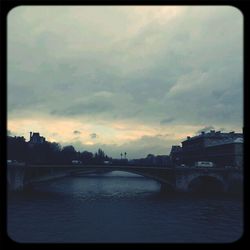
(99,156)
(49,152)
(17,148)
(68,154)
(54,152)
(86,157)
(150,159)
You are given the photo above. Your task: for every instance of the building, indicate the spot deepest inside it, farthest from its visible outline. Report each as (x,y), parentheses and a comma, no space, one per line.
(162,160)
(176,155)
(224,149)
(35,138)
(228,153)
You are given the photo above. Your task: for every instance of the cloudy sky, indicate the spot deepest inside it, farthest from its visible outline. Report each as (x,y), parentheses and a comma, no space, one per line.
(137,78)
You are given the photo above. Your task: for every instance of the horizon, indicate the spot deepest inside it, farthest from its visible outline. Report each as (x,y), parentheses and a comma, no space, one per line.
(148,153)
(132,79)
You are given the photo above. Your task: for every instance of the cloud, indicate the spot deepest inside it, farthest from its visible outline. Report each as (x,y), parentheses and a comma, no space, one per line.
(138,148)
(76,132)
(180,65)
(222,129)
(93,136)
(9,133)
(205,129)
(162,135)
(85,108)
(167,120)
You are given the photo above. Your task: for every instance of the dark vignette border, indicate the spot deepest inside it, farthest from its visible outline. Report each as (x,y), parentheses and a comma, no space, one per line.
(7,5)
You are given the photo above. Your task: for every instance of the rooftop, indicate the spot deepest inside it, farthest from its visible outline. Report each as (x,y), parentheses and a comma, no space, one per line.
(225,141)
(215,134)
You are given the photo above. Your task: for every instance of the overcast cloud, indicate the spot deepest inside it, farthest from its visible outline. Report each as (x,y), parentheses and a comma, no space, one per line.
(127,73)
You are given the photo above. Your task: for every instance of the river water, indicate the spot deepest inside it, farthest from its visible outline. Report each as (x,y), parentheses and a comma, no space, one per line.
(120,207)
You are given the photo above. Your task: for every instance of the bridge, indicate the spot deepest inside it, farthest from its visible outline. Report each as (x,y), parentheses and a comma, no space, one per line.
(181,179)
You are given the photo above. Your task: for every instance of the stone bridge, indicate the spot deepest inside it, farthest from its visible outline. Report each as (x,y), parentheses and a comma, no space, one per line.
(180,179)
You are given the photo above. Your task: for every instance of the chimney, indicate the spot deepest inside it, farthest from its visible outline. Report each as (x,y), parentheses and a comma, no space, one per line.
(188,137)
(30,135)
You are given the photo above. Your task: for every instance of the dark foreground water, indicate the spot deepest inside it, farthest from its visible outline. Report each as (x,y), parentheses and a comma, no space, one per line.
(120,207)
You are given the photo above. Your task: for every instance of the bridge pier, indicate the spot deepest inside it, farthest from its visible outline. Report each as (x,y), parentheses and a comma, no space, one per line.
(15,177)
(167,188)
(181,183)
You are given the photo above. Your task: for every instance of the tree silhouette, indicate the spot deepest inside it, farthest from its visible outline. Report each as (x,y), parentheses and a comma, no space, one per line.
(17,148)
(68,154)
(86,157)
(49,152)
(99,156)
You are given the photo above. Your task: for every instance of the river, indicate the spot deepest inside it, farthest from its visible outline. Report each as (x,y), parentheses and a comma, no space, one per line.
(119,207)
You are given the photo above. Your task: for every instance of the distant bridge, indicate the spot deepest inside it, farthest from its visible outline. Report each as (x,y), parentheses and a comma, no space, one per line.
(180,178)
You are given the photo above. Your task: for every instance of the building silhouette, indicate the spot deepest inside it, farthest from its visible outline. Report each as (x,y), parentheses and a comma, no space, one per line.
(176,155)
(223,149)
(35,138)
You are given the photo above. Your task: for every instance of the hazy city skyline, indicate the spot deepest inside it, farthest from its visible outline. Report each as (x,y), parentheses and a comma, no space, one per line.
(132,79)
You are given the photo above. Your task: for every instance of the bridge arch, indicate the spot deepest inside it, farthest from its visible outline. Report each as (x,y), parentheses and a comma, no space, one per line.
(165,184)
(206,183)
